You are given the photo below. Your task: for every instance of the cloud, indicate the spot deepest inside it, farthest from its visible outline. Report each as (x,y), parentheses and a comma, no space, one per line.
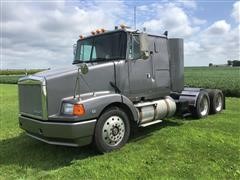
(197,21)
(215,44)
(188,3)
(236,11)
(203,42)
(219,27)
(172,18)
(41,34)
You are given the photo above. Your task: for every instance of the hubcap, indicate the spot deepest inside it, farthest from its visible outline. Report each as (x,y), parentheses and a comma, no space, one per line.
(204,106)
(219,103)
(113,130)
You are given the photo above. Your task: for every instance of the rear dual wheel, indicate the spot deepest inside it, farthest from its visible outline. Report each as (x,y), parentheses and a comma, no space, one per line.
(209,101)
(202,106)
(217,101)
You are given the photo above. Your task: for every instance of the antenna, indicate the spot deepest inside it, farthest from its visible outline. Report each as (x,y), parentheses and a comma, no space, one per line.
(134,16)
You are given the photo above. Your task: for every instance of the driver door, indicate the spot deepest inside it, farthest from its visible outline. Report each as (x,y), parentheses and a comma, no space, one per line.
(140,71)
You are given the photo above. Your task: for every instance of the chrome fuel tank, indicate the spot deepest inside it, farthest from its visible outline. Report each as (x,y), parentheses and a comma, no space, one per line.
(156,110)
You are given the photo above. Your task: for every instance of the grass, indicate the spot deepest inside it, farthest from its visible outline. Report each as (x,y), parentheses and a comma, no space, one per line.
(175,149)
(225,78)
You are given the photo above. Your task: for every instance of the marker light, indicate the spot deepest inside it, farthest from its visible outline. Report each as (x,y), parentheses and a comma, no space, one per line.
(122,26)
(78,110)
(93,33)
(98,31)
(81,36)
(103,30)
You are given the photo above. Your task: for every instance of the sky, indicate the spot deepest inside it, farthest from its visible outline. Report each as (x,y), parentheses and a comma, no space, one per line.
(41,33)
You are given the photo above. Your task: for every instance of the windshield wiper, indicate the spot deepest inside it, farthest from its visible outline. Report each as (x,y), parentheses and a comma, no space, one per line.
(105,59)
(99,59)
(77,61)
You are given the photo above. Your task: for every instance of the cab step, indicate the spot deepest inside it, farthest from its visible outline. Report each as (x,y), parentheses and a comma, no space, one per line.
(150,123)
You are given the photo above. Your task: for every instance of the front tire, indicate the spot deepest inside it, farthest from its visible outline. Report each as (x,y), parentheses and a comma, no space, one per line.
(112,130)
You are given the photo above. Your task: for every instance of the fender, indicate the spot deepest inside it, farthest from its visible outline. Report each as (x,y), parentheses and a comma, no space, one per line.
(94,104)
(190,95)
(131,107)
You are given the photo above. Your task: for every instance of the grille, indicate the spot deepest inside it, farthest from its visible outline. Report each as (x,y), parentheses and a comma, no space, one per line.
(32,97)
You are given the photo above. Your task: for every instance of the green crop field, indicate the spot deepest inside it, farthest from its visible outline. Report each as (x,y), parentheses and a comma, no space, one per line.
(9,79)
(176,149)
(225,78)
(19,71)
(10,76)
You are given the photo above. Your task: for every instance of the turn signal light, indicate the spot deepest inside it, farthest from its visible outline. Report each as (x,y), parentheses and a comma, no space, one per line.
(78,110)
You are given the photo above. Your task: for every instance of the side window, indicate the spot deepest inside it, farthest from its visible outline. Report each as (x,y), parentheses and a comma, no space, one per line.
(94,56)
(85,52)
(134,49)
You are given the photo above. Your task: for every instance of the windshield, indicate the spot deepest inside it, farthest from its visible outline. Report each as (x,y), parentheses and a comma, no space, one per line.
(99,48)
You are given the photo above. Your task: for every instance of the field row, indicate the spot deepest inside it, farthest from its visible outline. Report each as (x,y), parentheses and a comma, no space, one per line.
(19,71)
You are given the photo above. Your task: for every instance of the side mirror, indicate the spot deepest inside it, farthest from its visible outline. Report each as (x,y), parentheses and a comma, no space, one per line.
(74,49)
(143,37)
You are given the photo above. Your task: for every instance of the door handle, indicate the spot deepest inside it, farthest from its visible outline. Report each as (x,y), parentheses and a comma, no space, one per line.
(148,75)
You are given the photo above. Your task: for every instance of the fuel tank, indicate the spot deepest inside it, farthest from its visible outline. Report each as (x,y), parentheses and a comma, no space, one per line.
(156,110)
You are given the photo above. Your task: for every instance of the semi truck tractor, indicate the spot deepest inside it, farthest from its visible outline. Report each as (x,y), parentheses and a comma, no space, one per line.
(119,80)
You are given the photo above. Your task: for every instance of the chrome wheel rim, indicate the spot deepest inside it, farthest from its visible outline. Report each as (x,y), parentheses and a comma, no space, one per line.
(204,106)
(113,130)
(219,103)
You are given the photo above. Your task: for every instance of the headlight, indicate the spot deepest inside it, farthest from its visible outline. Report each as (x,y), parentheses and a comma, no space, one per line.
(73,109)
(68,108)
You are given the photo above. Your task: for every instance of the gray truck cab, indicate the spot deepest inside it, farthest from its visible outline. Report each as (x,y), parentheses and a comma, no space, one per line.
(118,78)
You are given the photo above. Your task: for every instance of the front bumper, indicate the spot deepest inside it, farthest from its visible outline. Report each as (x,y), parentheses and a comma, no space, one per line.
(59,133)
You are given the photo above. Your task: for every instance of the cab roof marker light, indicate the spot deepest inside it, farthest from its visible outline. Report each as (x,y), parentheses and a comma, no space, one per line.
(98,31)
(123,26)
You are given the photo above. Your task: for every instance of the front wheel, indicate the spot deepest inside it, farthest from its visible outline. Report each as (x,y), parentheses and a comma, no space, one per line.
(112,130)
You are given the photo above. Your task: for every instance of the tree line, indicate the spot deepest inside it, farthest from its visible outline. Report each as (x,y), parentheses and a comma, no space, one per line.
(232,63)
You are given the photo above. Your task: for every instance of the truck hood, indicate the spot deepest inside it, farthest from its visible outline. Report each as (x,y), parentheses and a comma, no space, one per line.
(56,72)
(61,82)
